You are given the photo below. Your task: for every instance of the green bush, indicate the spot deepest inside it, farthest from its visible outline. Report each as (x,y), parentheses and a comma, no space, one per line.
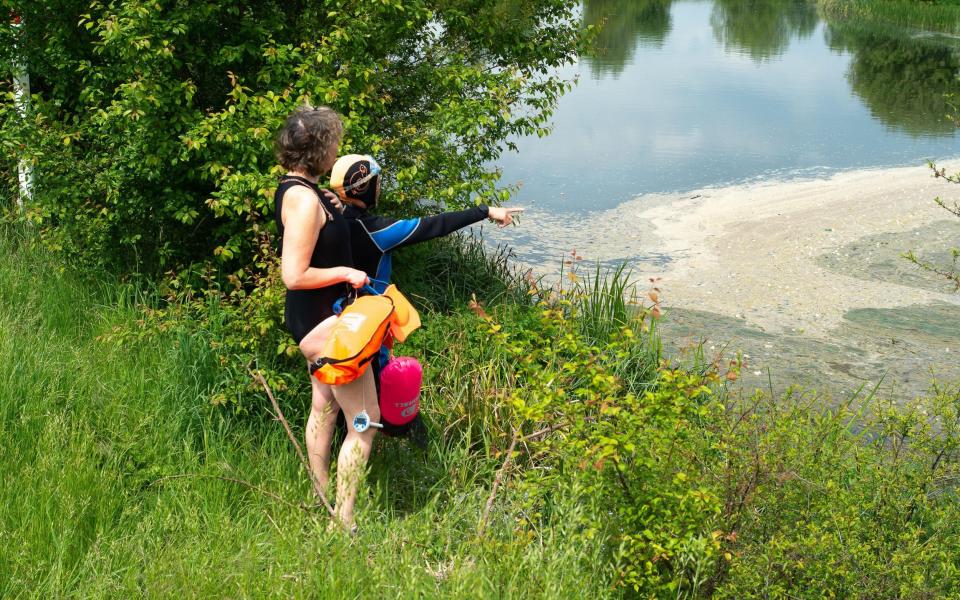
(855,502)
(696,493)
(152,122)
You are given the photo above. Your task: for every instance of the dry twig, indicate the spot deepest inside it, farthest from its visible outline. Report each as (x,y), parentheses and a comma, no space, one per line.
(293,440)
(497,481)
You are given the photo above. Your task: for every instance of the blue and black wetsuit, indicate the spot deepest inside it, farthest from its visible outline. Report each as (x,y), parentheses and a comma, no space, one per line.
(373,238)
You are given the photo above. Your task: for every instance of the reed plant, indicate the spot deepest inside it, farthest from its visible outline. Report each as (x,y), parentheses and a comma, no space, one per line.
(605,301)
(935,15)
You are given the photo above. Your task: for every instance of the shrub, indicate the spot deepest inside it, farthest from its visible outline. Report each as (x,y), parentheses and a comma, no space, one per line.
(951,271)
(153,120)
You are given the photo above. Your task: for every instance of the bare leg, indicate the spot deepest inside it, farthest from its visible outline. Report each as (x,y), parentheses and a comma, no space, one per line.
(353,397)
(311,346)
(320,426)
(323,408)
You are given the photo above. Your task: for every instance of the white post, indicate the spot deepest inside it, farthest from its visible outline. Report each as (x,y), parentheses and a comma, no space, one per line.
(21,94)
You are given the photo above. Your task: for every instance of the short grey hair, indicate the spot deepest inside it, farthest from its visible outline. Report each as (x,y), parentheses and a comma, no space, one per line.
(308,140)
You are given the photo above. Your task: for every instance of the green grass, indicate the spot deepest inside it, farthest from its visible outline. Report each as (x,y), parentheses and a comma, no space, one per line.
(606,301)
(442,274)
(942,16)
(119,478)
(112,464)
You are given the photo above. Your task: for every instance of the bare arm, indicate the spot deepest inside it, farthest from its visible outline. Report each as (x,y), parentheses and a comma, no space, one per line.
(303,217)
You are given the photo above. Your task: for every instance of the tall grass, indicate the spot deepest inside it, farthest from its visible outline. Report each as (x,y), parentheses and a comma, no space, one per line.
(606,301)
(118,478)
(942,15)
(443,274)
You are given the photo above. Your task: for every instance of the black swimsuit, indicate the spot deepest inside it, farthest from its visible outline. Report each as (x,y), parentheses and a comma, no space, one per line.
(305,309)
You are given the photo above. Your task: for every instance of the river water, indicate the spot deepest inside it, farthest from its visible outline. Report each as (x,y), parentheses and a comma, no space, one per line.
(697,124)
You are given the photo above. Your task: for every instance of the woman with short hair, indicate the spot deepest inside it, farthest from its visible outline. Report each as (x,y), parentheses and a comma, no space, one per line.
(317,268)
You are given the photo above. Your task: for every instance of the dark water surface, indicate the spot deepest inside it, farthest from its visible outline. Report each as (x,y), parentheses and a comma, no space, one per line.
(684,94)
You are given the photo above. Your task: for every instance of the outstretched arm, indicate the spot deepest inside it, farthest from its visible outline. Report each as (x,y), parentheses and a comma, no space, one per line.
(396,234)
(443,224)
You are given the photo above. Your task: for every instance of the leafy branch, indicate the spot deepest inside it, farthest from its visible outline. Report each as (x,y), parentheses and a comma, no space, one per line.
(950,271)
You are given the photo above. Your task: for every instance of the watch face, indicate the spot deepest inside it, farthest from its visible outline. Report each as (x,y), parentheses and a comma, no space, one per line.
(361,422)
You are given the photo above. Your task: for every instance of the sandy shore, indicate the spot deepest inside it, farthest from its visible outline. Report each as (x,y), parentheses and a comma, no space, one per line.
(750,251)
(805,278)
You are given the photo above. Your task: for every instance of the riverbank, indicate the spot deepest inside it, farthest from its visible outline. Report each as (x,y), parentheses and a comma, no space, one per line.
(942,16)
(772,253)
(794,273)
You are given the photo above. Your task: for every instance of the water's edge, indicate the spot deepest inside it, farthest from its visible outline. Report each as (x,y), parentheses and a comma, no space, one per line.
(805,276)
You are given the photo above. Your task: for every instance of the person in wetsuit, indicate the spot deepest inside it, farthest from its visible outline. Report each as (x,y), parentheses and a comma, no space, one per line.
(317,267)
(356,180)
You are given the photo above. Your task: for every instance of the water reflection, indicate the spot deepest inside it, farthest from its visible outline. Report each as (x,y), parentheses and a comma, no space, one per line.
(761,29)
(693,93)
(624,24)
(902,79)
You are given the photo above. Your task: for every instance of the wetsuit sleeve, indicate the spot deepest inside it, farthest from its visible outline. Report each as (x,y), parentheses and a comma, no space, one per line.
(413,231)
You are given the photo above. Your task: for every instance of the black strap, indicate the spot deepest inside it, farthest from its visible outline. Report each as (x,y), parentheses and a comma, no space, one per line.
(313,188)
(303,179)
(318,364)
(323,361)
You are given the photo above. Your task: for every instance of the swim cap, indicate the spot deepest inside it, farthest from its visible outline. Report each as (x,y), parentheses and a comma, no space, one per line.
(356,176)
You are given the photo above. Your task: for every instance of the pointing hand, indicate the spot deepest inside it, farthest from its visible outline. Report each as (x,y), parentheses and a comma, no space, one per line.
(503,216)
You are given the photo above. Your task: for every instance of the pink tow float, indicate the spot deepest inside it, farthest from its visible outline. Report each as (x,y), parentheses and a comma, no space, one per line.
(400,383)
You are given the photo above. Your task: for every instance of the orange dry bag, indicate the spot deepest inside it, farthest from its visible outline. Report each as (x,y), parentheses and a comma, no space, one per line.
(359,332)
(405,320)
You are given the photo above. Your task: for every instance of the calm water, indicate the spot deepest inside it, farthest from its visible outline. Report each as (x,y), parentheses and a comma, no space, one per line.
(685,94)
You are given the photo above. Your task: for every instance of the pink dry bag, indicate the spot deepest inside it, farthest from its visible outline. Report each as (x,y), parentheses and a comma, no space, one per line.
(400,390)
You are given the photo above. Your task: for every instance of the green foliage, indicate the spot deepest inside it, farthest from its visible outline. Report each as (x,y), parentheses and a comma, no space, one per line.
(153,120)
(678,488)
(117,479)
(243,326)
(584,435)
(441,275)
(930,15)
(847,502)
(604,303)
(152,127)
